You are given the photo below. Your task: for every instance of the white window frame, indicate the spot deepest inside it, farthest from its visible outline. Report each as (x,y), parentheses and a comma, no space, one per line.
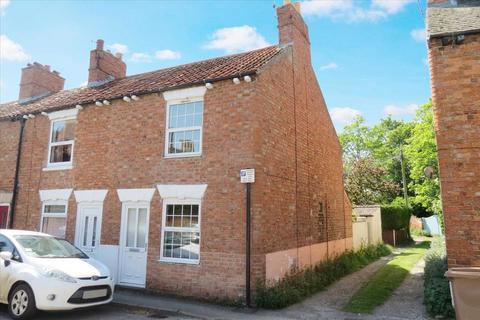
(60,143)
(57,116)
(164,229)
(180,96)
(54,215)
(170,130)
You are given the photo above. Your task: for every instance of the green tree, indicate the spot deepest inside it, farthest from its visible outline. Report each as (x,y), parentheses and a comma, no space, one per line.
(365,183)
(354,140)
(372,162)
(421,151)
(382,144)
(386,142)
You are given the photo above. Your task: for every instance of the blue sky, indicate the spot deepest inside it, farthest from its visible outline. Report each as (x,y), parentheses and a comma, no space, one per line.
(369,56)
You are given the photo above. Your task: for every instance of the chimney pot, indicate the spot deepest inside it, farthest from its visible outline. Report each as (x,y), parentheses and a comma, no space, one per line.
(100,44)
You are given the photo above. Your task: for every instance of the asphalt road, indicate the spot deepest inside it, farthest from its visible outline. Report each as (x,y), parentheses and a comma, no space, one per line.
(107,312)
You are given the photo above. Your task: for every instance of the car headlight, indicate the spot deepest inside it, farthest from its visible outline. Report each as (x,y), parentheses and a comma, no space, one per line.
(57,274)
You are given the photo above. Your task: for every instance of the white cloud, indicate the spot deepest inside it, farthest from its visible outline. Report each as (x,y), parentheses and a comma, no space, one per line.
(141,57)
(83,84)
(397,111)
(327,8)
(167,55)
(391,6)
(236,39)
(10,50)
(3,6)
(328,66)
(161,55)
(118,48)
(351,11)
(344,115)
(418,35)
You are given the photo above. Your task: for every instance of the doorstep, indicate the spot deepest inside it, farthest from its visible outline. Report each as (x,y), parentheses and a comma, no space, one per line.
(183,306)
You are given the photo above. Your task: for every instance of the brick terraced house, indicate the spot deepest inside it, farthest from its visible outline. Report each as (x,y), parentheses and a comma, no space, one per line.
(454,56)
(142,171)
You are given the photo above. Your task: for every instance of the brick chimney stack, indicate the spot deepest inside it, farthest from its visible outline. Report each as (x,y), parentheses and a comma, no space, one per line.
(38,81)
(291,26)
(293,31)
(104,66)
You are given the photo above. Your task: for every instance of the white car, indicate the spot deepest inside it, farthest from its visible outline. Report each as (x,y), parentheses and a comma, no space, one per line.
(38,271)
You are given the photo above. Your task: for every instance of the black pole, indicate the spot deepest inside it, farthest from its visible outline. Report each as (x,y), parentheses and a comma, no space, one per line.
(404,178)
(247,251)
(17,169)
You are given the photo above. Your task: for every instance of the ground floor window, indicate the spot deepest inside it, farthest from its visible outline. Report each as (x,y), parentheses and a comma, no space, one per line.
(54,218)
(181,232)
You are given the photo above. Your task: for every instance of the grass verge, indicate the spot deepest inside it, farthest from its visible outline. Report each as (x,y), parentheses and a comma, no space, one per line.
(298,284)
(386,280)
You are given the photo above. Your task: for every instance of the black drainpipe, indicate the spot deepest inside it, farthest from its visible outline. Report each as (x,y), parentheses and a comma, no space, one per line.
(17,169)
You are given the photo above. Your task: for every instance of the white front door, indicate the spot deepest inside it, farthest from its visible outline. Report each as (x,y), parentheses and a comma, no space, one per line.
(133,245)
(88,231)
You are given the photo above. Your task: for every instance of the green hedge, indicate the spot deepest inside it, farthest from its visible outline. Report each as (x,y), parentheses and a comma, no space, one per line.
(298,284)
(437,296)
(395,217)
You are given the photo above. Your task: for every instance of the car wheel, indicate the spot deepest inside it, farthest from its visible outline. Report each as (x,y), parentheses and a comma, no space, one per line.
(21,304)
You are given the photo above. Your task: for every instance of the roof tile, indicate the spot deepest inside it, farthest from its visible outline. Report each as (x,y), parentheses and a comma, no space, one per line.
(155,81)
(445,21)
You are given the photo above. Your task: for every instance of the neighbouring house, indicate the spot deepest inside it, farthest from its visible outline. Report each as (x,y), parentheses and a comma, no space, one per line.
(142,171)
(453,30)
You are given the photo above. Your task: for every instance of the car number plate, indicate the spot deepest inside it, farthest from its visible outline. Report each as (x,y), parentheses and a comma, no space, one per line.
(91,294)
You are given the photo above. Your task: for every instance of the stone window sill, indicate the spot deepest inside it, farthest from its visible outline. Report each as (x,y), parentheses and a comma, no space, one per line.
(69,167)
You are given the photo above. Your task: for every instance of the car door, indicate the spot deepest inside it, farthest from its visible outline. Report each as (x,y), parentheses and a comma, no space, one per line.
(7,269)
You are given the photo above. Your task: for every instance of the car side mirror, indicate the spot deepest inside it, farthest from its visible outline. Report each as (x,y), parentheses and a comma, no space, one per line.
(6,255)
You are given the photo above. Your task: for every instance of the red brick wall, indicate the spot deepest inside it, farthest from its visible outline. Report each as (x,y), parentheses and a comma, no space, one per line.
(455,80)
(9,132)
(121,146)
(301,167)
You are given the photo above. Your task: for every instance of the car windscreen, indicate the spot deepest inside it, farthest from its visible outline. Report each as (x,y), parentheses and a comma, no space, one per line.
(38,246)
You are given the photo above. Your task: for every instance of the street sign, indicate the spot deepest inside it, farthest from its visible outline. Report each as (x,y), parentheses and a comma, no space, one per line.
(247,175)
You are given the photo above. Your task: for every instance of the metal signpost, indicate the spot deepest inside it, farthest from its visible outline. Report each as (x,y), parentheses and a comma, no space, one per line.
(247,176)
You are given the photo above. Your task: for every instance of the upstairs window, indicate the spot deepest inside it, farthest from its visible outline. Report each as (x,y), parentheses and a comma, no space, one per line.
(62,135)
(184,128)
